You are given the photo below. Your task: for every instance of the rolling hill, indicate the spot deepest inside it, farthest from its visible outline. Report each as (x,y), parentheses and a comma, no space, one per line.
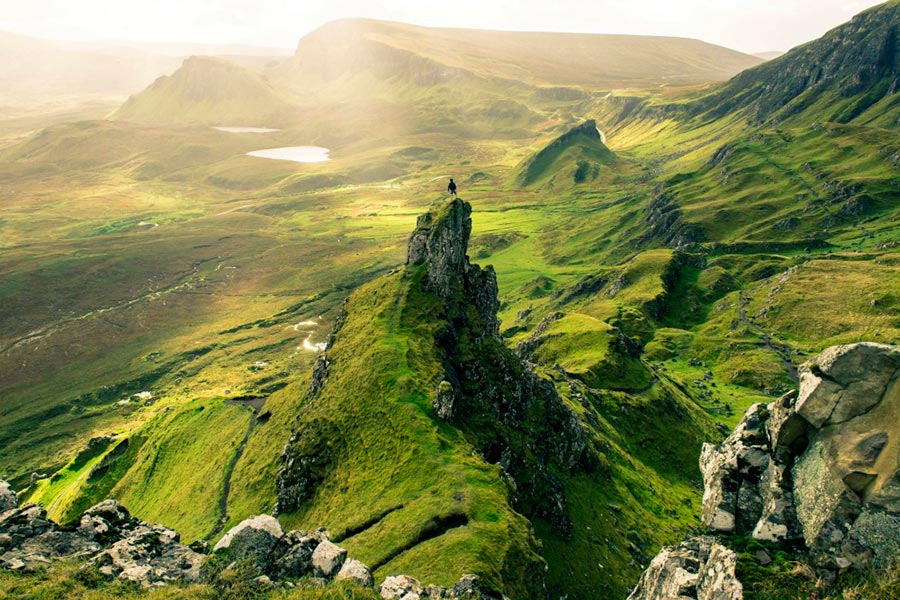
(208,90)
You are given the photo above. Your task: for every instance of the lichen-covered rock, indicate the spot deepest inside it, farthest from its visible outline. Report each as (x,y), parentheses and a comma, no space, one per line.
(327,559)
(732,472)
(253,538)
(822,464)
(699,568)
(294,555)
(8,498)
(844,382)
(850,470)
(150,554)
(353,570)
(108,535)
(401,587)
(440,241)
(444,400)
(105,521)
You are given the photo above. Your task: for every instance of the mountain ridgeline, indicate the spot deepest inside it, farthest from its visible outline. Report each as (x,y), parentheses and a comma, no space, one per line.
(849,71)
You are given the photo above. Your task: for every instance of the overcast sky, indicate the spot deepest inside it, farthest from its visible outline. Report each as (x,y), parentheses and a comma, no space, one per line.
(747,25)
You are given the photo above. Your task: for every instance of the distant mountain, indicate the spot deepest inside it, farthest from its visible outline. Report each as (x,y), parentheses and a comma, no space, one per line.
(845,73)
(208,90)
(37,69)
(405,79)
(557,59)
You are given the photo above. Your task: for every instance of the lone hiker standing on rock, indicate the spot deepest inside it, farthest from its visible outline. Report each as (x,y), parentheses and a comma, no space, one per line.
(451,187)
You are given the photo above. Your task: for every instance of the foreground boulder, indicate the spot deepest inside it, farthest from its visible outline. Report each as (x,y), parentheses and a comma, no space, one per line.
(403,587)
(8,498)
(821,465)
(114,541)
(254,538)
(698,569)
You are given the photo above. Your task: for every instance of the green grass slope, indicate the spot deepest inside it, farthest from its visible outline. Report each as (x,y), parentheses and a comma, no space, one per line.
(576,157)
(212,91)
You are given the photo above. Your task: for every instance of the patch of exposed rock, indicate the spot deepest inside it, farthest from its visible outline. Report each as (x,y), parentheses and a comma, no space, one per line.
(699,568)
(8,498)
(118,544)
(440,242)
(295,554)
(402,587)
(821,466)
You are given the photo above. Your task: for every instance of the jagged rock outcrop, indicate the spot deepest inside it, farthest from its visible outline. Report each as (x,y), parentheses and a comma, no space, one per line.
(746,488)
(699,568)
(8,498)
(821,465)
(402,587)
(118,544)
(515,418)
(440,241)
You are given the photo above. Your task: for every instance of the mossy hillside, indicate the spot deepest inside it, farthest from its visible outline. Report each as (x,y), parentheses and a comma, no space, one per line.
(394,472)
(589,349)
(581,148)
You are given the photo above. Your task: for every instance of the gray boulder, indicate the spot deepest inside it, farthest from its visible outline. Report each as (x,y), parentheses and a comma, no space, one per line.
(148,555)
(255,538)
(353,570)
(294,555)
(8,498)
(401,587)
(844,382)
(698,569)
(846,482)
(327,559)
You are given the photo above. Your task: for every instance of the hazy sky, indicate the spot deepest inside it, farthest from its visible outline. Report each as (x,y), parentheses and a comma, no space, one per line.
(748,25)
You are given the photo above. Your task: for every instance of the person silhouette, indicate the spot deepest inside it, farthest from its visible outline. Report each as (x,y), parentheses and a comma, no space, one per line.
(451,187)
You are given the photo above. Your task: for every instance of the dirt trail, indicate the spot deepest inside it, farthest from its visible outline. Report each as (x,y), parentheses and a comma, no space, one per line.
(255,404)
(781,350)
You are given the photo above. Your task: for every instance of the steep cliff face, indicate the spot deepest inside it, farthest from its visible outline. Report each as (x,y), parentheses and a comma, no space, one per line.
(423,438)
(514,418)
(858,60)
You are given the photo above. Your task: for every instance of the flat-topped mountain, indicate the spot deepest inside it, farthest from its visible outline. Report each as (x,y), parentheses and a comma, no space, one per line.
(546,59)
